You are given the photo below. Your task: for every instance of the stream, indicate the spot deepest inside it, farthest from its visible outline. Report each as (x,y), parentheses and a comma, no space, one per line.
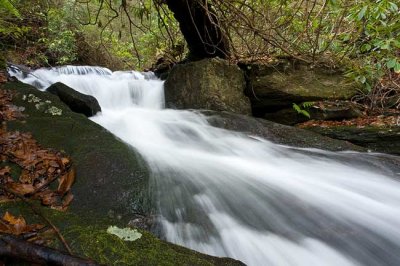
(228,194)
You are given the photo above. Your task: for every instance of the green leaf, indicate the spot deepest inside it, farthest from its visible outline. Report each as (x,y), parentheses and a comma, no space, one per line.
(362,79)
(393,7)
(305,113)
(397,68)
(391,63)
(368,86)
(366,47)
(296,107)
(361,14)
(8,6)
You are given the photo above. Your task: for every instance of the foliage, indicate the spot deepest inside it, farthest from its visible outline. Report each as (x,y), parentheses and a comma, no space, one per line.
(137,33)
(303,108)
(376,47)
(60,39)
(8,13)
(362,37)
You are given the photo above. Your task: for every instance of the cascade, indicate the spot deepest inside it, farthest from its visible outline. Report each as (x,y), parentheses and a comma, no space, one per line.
(227,194)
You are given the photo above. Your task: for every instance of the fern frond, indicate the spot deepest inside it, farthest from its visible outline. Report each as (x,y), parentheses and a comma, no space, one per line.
(307,104)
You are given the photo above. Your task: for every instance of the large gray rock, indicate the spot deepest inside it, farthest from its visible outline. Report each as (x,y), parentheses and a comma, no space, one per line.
(325,110)
(78,102)
(111,177)
(378,139)
(278,85)
(211,84)
(278,133)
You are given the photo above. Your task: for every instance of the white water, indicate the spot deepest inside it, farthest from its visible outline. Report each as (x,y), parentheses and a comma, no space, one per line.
(226,194)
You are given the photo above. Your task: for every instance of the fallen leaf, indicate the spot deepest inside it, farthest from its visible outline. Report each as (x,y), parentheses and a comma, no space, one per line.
(65,161)
(5,170)
(21,189)
(66,181)
(67,199)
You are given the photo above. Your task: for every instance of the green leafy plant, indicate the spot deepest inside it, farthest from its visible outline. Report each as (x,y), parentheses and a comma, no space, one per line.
(376,44)
(303,108)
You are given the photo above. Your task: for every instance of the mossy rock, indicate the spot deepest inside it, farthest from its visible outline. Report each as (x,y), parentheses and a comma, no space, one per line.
(110,175)
(378,139)
(278,85)
(277,133)
(324,110)
(211,84)
(88,238)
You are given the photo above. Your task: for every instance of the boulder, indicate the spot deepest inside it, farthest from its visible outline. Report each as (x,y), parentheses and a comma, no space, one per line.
(211,84)
(374,138)
(277,133)
(76,101)
(111,177)
(278,85)
(324,110)
(296,137)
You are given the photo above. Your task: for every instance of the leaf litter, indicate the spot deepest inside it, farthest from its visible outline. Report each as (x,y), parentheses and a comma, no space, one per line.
(46,175)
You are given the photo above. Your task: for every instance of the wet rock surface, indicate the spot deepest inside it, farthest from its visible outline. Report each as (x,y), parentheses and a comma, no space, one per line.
(211,84)
(78,102)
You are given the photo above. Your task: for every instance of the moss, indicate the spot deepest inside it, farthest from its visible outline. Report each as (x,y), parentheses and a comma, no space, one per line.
(106,166)
(88,238)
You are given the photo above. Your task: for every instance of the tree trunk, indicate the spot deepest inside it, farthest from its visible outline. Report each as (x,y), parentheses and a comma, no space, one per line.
(200,27)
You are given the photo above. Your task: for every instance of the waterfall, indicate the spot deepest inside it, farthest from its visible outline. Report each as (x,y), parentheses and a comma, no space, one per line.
(227,194)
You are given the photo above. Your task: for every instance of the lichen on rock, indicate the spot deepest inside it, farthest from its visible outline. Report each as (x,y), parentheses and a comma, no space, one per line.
(126,234)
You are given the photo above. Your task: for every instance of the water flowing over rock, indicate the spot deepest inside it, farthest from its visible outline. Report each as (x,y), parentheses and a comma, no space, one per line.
(277,133)
(211,84)
(78,102)
(236,194)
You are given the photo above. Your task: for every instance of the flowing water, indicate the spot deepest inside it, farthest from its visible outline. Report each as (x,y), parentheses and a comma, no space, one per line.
(228,194)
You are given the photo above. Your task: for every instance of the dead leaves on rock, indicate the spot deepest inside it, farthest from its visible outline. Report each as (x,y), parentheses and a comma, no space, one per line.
(361,122)
(40,169)
(8,111)
(17,226)
(10,224)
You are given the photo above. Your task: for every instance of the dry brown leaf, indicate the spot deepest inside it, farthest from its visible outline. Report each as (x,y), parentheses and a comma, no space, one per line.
(25,177)
(50,199)
(54,164)
(67,199)
(40,167)
(17,225)
(5,171)
(11,219)
(66,181)
(51,170)
(21,189)
(65,161)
